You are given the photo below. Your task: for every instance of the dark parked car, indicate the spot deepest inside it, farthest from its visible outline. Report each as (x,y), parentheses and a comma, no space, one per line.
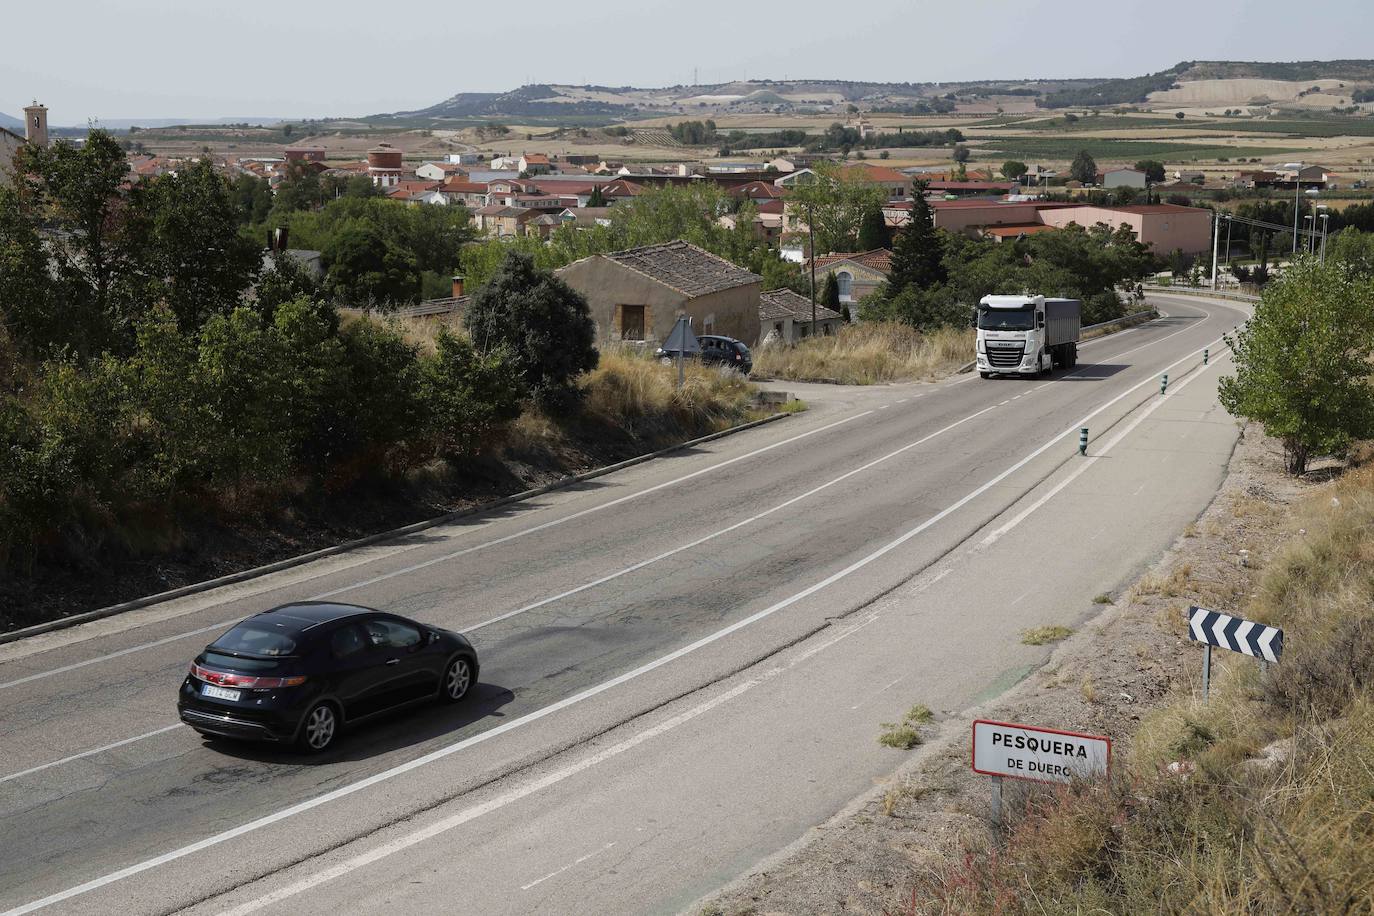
(716,350)
(300,672)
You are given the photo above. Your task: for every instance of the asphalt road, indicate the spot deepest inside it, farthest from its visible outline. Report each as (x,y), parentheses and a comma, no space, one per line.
(684,663)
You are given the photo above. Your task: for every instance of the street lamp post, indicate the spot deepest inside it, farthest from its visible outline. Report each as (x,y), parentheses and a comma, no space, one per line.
(1325,217)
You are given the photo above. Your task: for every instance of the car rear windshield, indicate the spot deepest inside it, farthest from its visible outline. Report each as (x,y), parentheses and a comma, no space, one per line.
(238,663)
(256,640)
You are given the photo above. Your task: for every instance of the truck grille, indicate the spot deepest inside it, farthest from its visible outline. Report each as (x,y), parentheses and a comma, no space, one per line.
(1005,356)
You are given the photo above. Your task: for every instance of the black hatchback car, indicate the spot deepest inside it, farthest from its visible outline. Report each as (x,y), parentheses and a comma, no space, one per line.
(718,351)
(300,672)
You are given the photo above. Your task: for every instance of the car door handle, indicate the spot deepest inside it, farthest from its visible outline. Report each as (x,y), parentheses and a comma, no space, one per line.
(393,661)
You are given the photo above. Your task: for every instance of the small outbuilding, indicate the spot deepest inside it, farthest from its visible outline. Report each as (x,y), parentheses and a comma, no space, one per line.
(785,316)
(638,294)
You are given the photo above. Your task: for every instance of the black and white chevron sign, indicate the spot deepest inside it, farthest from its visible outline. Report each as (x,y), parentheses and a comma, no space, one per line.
(1235,633)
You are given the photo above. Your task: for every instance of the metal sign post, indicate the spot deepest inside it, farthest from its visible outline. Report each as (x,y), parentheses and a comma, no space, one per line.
(1004,750)
(682,341)
(1212,628)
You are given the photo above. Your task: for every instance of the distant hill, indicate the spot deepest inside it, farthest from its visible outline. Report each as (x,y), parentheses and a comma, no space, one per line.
(10,123)
(1305,84)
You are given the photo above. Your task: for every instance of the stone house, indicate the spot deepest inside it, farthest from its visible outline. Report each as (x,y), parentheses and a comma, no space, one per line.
(637,295)
(856,274)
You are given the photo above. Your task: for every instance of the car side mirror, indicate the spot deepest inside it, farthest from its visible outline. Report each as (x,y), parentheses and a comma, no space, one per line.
(433,638)
(1039,321)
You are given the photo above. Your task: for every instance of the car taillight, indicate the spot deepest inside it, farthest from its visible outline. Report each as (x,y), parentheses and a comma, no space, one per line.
(226,679)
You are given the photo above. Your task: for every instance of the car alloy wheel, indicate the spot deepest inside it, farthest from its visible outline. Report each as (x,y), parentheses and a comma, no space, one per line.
(457,679)
(320,727)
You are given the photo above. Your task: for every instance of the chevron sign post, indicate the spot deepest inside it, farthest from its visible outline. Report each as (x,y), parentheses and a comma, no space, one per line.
(1213,628)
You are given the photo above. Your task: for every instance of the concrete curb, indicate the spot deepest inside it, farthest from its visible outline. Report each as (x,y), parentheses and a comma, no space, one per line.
(290,562)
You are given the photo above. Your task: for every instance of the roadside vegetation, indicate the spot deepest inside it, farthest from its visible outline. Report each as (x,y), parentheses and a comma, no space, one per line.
(1260,801)
(869,353)
(150,396)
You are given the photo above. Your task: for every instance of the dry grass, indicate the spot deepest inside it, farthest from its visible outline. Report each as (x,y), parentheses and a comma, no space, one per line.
(1039,636)
(868,354)
(1260,801)
(639,392)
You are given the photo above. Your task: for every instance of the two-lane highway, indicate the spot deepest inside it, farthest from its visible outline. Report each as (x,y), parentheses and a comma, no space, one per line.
(608,616)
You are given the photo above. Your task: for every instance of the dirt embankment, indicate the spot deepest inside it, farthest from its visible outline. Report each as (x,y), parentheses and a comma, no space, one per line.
(1102,679)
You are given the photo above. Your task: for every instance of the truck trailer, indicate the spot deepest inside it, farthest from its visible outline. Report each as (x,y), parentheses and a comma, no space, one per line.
(1027,335)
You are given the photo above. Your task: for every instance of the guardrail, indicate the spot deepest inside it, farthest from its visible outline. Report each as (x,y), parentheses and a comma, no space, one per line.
(1200,291)
(1147,313)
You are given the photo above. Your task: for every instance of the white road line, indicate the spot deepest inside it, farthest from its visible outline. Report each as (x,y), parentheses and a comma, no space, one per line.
(559,705)
(492,543)
(1084,465)
(558,871)
(90,753)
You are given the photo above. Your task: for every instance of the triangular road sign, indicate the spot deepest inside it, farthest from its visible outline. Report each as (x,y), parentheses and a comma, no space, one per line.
(681,337)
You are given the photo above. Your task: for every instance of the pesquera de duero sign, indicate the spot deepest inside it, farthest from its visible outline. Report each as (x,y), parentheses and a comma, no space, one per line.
(1039,754)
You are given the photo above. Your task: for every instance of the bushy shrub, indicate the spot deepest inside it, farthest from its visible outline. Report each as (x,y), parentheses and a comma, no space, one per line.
(467,395)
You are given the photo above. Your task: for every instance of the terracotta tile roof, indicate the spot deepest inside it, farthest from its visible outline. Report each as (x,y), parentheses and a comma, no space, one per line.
(503,210)
(621,188)
(685,267)
(536,159)
(1003,186)
(1016,229)
(462,186)
(786,303)
(879,259)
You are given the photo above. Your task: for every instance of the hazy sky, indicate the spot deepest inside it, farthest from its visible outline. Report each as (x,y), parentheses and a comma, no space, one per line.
(186,58)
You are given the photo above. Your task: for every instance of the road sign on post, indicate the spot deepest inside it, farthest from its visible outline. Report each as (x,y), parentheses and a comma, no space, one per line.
(681,340)
(1213,628)
(1004,750)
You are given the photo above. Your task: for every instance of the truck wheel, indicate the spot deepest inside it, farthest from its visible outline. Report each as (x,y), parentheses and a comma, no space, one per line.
(1073,355)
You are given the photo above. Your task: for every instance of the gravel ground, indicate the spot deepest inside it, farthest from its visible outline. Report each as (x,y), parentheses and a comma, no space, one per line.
(1101,680)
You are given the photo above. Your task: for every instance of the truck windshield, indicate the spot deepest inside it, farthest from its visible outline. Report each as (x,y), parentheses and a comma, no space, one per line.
(1006,319)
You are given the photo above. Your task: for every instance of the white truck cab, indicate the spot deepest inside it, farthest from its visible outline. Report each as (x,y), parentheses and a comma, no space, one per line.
(1026,335)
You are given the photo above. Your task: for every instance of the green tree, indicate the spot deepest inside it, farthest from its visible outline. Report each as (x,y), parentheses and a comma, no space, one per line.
(961,153)
(1083,168)
(1153,169)
(1013,169)
(873,230)
(830,293)
(468,394)
(252,198)
(543,323)
(367,268)
(1303,362)
(1355,249)
(190,253)
(834,202)
(80,190)
(917,253)
(31,306)
(596,198)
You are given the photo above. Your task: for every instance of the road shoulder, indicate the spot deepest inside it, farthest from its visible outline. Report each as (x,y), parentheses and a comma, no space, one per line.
(1103,679)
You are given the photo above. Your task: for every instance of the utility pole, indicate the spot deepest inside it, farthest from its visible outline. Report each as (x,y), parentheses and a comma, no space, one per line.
(1297,188)
(811,247)
(1216,240)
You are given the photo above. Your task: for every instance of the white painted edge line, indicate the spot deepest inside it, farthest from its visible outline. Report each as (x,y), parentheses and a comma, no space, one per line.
(93,751)
(558,871)
(588,693)
(1087,463)
(446,557)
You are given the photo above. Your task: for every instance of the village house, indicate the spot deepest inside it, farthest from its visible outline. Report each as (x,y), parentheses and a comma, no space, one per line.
(856,274)
(534,164)
(440,171)
(637,295)
(785,317)
(500,221)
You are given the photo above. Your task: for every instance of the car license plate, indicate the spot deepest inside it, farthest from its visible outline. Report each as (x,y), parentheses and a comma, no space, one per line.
(210,690)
